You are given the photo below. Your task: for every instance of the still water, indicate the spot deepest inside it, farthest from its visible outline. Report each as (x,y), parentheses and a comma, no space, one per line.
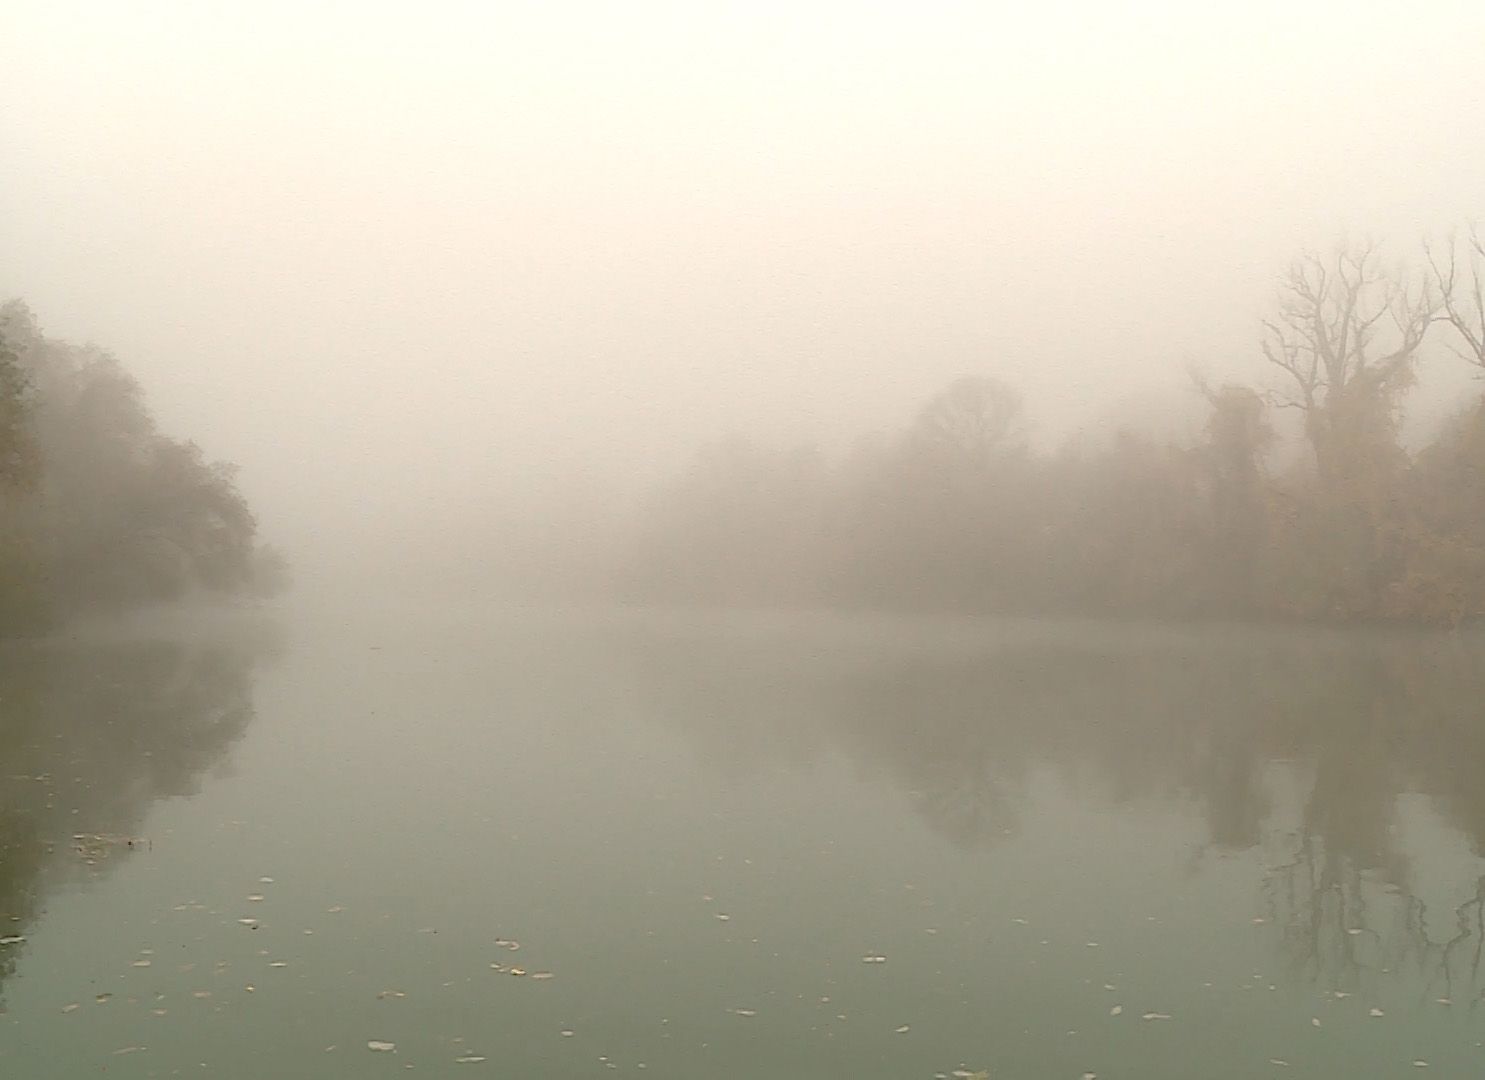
(515,843)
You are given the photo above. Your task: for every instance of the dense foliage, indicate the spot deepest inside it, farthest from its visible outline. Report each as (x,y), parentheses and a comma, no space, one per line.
(98,509)
(954,513)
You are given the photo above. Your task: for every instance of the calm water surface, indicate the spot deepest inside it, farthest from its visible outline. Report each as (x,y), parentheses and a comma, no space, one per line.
(531,844)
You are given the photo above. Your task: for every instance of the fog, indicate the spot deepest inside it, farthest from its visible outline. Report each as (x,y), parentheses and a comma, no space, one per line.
(741,540)
(423,271)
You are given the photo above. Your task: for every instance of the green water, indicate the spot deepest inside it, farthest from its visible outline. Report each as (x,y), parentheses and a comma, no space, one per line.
(701,827)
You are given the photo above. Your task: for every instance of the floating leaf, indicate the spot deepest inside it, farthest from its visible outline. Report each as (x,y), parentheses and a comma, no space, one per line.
(1155,1016)
(1376,1012)
(129,1050)
(1116,1010)
(1314,1021)
(71,1007)
(746,1012)
(142,963)
(541,975)
(902,1030)
(13,939)
(469,1059)
(380,1047)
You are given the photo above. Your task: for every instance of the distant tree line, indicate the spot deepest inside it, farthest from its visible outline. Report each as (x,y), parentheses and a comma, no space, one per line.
(99,510)
(955,513)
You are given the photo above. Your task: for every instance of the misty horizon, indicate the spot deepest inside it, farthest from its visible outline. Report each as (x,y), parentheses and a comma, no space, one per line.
(382,266)
(762,540)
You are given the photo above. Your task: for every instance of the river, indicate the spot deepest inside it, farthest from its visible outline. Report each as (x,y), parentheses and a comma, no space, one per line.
(368,840)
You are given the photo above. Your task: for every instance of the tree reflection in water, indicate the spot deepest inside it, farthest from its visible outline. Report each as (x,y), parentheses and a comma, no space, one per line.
(94,732)
(1300,746)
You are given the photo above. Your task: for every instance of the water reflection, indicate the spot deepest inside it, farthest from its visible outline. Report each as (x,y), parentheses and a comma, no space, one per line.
(1336,763)
(94,731)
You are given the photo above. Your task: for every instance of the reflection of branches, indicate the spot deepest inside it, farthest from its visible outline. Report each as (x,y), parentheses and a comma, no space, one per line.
(128,722)
(1319,902)
(1342,927)
(964,726)
(1469,921)
(965,801)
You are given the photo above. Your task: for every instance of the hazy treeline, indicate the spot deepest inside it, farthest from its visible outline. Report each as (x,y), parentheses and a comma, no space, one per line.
(955,513)
(99,510)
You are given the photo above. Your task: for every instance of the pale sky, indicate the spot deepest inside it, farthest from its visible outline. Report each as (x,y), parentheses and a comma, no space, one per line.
(394,257)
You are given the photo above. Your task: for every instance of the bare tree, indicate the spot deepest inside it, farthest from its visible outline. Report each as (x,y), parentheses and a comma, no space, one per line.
(969,420)
(1461,291)
(1346,333)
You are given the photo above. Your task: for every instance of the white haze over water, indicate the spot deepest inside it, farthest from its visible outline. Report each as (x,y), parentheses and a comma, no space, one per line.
(410,264)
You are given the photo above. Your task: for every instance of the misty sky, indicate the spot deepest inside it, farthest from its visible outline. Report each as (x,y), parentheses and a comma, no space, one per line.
(387,256)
